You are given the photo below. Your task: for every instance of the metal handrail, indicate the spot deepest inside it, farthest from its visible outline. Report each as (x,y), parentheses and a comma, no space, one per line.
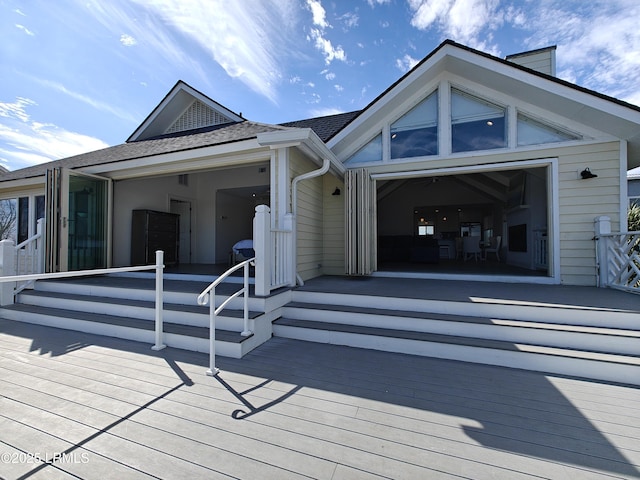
(158,267)
(206,297)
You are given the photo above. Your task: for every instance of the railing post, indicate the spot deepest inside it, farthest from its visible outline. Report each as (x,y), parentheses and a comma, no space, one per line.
(246,332)
(159,300)
(262,248)
(40,246)
(213,371)
(291,262)
(603,227)
(7,269)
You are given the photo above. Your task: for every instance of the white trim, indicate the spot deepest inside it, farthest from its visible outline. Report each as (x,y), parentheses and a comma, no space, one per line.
(624,187)
(553,198)
(464,169)
(540,280)
(195,159)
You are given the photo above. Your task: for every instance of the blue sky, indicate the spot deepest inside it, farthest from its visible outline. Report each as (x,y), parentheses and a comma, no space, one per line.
(79,75)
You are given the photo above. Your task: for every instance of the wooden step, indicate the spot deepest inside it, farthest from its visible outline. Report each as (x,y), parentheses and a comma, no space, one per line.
(555,360)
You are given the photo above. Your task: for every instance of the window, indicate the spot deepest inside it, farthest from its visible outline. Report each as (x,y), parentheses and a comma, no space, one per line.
(532,132)
(371,152)
(416,133)
(8,218)
(476,124)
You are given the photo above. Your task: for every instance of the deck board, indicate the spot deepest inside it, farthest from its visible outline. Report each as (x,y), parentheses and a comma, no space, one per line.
(292,409)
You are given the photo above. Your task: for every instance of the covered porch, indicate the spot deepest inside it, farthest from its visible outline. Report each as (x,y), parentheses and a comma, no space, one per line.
(78,405)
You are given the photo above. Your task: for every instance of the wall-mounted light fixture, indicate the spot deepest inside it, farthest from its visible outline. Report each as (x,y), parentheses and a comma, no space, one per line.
(586,174)
(336,191)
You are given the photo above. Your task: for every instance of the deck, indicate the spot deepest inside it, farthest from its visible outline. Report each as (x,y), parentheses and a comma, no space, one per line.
(74,405)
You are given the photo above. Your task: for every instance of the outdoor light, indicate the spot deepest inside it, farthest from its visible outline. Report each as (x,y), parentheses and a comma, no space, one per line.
(586,174)
(336,191)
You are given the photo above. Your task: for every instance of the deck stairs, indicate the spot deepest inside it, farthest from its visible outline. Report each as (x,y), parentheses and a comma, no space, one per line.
(571,340)
(123,306)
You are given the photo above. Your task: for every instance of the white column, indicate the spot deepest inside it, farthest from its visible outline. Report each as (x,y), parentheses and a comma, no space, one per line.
(7,269)
(262,248)
(603,227)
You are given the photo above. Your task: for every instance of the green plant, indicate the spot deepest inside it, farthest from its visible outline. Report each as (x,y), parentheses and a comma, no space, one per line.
(633,217)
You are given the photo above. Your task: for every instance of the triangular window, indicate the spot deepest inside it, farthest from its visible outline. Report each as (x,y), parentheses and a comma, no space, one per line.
(476,124)
(371,152)
(415,134)
(532,132)
(198,115)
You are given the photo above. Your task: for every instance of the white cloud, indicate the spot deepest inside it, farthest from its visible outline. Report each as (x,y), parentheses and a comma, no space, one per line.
(28,142)
(318,12)
(244,38)
(373,3)
(17,109)
(127,40)
(24,29)
(323,112)
(406,63)
(330,76)
(466,21)
(339,88)
(598,46)
(317,35)
(350,20)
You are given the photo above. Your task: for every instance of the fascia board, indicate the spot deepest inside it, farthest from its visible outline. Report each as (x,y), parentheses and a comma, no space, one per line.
(195,158)
(305,139)
(23,184)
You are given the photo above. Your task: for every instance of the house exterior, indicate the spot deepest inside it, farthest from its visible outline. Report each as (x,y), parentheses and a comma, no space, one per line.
(464,145)
(633,186)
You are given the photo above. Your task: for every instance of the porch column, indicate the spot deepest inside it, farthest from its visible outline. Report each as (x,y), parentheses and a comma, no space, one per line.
(7,269)
(602,227)
(262,249)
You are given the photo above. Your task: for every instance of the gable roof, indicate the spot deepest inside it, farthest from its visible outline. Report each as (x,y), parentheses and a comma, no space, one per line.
(593,109)
(176,104)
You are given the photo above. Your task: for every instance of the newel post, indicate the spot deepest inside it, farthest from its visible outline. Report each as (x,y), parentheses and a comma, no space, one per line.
(602,229)
(7,269)
(262,249)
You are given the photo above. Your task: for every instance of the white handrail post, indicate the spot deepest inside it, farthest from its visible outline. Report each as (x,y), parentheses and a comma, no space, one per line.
(262,248)
(603,228)
(40,245)
(213,371)
(159,300)
(246,332)
(7,268)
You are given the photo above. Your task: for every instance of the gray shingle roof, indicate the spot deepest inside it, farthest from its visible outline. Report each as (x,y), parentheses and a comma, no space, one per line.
(206,137)
(325,127)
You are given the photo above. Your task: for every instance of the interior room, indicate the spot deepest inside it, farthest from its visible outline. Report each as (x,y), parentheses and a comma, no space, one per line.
(492,222)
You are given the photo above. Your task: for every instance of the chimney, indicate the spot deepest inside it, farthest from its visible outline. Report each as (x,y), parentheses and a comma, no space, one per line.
(542,60)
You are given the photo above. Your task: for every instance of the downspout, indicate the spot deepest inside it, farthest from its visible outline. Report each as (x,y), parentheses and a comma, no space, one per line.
(326,163)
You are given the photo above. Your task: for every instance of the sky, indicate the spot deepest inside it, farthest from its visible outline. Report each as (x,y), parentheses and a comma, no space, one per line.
(80,75)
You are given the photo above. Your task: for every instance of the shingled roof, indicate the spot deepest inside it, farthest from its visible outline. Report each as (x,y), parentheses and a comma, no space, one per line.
(325,127)
(204,137)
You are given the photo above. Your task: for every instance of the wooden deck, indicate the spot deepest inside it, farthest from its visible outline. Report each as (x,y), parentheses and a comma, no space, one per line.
(74,405)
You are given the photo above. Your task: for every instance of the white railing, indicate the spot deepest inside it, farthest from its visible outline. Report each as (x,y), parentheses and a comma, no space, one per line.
(29,256)
(619,260)
(8,280)
(281,258)
(208,295)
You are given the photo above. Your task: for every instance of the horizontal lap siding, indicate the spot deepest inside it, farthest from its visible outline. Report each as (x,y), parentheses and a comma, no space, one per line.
(309,217)
(334,227)
(581,201)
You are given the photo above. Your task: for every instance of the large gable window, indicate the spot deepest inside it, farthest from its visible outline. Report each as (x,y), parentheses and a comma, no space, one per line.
(532,132)
(416,133)
(371,152)
(476,124)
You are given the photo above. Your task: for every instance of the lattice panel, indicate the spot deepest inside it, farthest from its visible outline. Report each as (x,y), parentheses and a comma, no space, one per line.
(198,115)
